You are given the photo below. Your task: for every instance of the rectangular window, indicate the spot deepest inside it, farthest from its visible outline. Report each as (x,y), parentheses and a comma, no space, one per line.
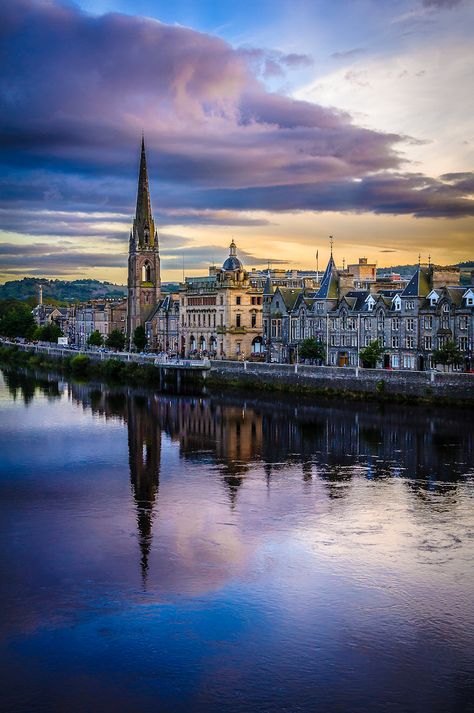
(237,320)
(463,322)
(428,322)
(428,343)
(395,324)
(238,300)
(410,324)
(395,342)
(463,344)
(409,342)
(254,319)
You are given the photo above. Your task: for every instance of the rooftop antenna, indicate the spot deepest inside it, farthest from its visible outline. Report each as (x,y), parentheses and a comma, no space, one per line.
(331,242)
(419,259)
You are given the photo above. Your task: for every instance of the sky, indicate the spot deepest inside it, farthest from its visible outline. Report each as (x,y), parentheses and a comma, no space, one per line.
(274,123)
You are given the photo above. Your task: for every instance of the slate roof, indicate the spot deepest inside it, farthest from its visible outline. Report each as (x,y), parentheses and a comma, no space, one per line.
(329,284)
(268,289)
(358,297)
(289,296)
(419,285)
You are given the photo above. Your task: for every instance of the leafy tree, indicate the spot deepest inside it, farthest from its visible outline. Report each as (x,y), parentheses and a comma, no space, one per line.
(95,339)
(116,340)
(311,348)
(49,333)
(139,338)
(371,354)
(448,355)
(16,319)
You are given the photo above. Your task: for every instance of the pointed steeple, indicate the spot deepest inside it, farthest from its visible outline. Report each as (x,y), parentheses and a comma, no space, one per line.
(143,224)
(329,284)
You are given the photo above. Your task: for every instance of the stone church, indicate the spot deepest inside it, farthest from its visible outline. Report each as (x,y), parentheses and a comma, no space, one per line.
(144,280)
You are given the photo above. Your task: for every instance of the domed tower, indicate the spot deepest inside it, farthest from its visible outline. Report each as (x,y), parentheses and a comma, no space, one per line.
(232,262)
(144,280)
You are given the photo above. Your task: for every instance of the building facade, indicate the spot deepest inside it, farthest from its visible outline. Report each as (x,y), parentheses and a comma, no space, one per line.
(408,322)
(221,314)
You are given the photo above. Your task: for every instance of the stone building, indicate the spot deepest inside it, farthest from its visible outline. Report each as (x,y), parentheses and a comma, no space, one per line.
(221,314)
(162,326)
(98,315)
(409,322)
(144,279)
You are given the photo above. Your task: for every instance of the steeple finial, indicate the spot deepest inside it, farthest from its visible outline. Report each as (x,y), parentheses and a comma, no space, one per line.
(331,243)
(419,259)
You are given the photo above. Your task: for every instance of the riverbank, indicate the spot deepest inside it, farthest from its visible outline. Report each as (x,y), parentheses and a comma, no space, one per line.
(349,382)
(355,384)
(83,367)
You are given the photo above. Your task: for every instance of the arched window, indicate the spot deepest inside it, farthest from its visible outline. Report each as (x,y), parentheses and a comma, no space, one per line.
(146,272)
(257,345)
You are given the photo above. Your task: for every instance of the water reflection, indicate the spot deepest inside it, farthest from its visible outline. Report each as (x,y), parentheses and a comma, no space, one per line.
(202,545)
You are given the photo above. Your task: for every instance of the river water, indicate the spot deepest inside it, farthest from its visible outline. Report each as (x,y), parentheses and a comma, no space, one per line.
(164,553)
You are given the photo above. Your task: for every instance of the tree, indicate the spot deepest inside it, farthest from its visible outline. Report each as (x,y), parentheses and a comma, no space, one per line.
(371,354)
(49,333)
(448,355)
(139,338)
(95,339)
(311,348)
(116,340)
(16,319)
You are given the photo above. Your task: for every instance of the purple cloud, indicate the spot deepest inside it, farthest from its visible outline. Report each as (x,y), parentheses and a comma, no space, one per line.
(76,91)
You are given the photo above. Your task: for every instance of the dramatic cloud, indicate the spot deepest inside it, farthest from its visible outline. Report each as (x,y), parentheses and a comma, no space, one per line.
(62,259)
(76,91)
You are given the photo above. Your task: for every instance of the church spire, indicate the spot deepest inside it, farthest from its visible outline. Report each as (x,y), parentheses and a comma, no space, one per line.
(143,223)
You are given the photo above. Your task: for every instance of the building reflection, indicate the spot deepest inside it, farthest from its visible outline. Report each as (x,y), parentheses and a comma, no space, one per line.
(331,442)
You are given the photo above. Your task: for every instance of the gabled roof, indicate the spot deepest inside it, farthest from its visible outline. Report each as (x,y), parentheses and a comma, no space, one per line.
(289,296)
(357,298)
(419,285)
(329,284)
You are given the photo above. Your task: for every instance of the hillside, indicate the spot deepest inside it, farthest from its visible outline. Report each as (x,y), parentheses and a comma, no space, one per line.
(61,290)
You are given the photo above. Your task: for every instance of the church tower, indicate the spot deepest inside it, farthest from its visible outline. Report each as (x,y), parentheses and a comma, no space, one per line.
(144,280)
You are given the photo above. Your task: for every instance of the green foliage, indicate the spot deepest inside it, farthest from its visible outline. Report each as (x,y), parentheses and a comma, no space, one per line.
(60,291)
(448,355)
(113,369)
(80,365)
(16,319)
(371,354)
(312,349)
(95,339)
(139,338)
(116,340)
(49,333)
(380,386)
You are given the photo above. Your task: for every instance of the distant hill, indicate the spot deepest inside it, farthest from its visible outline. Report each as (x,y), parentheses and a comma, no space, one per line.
(60,290)
(65,291)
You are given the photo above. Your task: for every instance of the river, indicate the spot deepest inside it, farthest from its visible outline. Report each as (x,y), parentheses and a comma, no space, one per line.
(232,553)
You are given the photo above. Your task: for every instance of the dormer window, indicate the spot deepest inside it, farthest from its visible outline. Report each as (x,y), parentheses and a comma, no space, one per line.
(370,304)
(397,303)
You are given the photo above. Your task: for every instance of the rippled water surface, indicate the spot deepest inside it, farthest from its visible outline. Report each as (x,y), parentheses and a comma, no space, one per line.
(166,553)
